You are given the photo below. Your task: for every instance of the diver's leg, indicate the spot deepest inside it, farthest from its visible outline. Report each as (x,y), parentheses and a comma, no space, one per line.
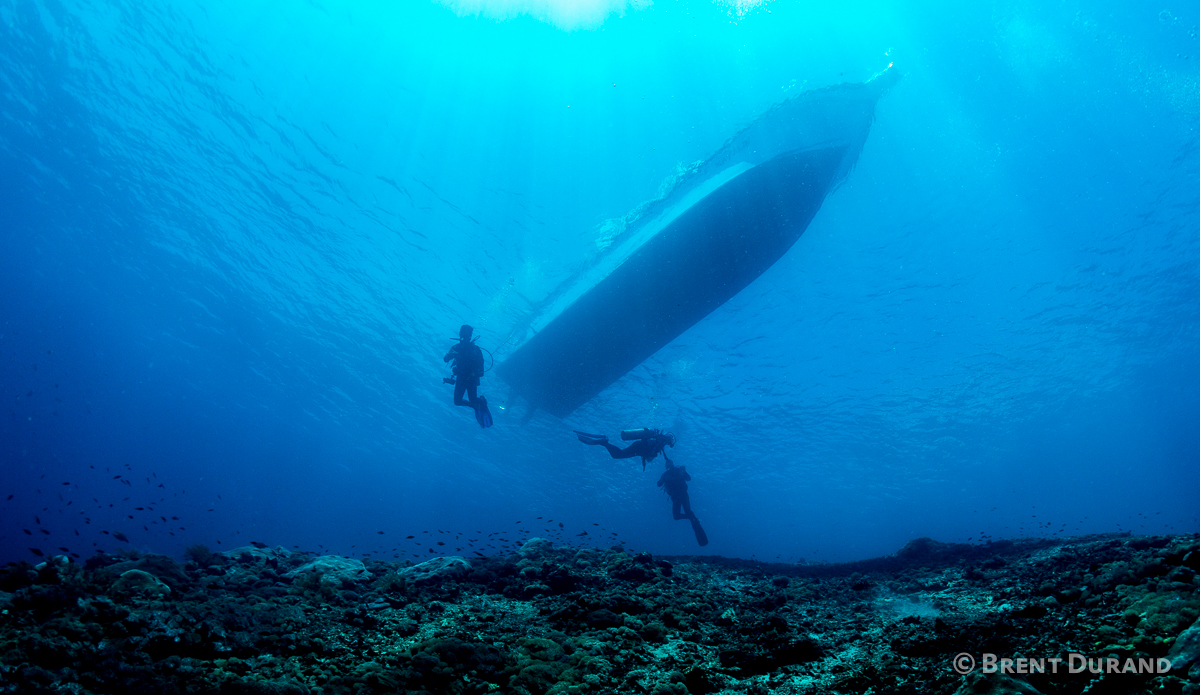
(687,507)
(701,536)
(632,450)
(676,503)
(465,384)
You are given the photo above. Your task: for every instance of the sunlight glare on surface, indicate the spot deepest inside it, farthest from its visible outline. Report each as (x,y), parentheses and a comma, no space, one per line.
(568,15)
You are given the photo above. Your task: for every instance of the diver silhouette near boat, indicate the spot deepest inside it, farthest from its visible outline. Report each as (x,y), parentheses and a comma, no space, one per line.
(468,370)
(647,443)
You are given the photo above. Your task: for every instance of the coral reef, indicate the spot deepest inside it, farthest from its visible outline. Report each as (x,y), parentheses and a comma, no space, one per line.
(1115,611)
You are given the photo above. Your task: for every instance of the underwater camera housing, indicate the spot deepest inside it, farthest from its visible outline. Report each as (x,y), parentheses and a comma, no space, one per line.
(448,380)
(643,433)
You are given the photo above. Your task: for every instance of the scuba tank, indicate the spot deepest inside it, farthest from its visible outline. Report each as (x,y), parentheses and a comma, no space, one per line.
(643,433)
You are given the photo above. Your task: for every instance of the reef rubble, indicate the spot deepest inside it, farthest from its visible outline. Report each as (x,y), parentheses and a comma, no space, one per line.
(1095,614)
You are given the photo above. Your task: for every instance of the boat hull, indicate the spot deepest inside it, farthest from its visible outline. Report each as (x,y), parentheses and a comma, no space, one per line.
(697,263)
(689,252)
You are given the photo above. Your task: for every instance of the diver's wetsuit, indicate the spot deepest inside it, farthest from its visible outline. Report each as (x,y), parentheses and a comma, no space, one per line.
(647,448)
(468,369)
(674,482)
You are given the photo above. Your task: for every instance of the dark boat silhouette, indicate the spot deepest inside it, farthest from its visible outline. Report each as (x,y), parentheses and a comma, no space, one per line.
(720,227)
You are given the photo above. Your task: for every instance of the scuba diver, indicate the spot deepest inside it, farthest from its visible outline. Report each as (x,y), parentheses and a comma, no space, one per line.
(468,370)
(647,443)
(674,483)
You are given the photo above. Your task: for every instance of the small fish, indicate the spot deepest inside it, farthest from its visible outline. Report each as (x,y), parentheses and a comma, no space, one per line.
(44,531)
(9,498)
(257,544)
(37,552)
(410,536)
(27,532)
(65,550)
(379,532)
(120,536)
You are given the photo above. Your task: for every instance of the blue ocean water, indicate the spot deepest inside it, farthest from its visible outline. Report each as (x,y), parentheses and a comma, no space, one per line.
(236,239)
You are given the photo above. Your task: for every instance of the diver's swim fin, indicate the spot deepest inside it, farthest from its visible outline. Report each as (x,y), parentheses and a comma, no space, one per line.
(591,438)
(482,415)
(701,536)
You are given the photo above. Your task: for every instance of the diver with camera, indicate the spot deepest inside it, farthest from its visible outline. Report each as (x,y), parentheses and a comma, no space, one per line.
(468,370)
(647,443)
